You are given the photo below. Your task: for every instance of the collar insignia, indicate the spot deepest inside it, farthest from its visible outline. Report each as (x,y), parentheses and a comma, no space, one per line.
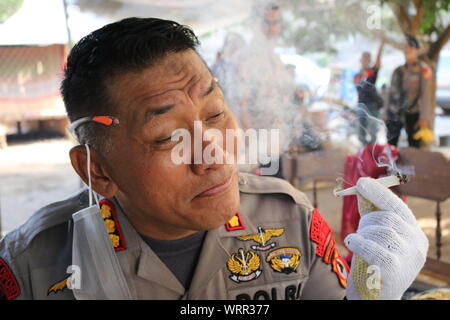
(262,238)
(108,213)
(235,223)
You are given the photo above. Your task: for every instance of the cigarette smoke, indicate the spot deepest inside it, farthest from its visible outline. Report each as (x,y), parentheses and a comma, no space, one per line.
(256,81)
(254,78)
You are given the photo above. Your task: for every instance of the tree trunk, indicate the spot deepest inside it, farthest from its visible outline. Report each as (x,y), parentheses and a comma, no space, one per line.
(432,60)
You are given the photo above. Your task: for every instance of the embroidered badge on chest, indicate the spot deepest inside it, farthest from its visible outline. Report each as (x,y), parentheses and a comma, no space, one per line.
(340,267)
(284,260)
(244,266)
(262,238)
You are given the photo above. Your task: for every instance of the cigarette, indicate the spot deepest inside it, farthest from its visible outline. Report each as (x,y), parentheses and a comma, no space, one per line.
(389,181)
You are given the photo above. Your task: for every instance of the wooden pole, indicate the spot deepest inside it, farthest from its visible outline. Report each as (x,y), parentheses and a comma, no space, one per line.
(438,231)
(66,15)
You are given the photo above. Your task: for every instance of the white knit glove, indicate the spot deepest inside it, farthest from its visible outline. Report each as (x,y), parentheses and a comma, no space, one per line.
(389,247)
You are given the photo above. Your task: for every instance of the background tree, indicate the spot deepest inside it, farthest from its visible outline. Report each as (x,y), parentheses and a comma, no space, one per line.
(428,21)
(316,25)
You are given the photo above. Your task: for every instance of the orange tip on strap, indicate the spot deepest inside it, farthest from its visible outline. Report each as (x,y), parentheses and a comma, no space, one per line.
(107,121)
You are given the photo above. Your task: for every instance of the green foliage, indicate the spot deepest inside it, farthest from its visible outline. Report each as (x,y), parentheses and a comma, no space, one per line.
(8,8)
(316,25)
(436,14)
(435,17)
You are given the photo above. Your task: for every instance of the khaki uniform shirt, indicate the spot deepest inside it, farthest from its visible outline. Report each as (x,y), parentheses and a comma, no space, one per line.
(415,82)
(275,247)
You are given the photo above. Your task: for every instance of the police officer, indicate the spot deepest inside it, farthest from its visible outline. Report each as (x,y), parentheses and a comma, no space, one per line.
(409,98)
(266,85)
(193,230)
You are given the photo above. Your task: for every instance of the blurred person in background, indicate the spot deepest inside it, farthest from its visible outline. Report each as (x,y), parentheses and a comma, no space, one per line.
(369,102)
(225,69)
(409,97)
(306,138)
(266,86)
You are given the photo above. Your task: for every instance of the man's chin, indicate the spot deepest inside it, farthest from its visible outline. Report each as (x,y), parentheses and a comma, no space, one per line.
(214,218)
(216,223)
(214,211)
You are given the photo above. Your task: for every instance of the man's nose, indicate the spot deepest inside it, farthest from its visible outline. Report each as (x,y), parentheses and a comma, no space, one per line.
(209,153)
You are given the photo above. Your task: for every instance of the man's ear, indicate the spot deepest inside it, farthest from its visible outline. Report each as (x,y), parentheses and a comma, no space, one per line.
(101,180)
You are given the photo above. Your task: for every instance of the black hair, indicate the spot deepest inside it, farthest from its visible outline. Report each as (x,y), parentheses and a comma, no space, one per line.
(412,41)
(128,45)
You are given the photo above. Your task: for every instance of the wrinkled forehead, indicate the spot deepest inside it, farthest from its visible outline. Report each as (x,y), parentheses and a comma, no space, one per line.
(178,64)
(180,71)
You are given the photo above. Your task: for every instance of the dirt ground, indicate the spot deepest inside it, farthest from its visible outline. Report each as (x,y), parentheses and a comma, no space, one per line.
(34,174)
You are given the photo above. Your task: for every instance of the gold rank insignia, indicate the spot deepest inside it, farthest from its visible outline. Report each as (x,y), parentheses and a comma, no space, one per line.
(284,260)
(107,211)
(244,266)
(235,223)
(262,238)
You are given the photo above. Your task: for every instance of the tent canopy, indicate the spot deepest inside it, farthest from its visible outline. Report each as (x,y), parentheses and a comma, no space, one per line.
(35,23)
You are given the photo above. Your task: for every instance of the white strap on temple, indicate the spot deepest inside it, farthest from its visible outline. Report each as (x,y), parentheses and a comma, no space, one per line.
(74,126)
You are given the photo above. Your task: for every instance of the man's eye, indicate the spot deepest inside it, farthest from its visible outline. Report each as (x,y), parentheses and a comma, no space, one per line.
(165,140)
(174,137)
(217,116)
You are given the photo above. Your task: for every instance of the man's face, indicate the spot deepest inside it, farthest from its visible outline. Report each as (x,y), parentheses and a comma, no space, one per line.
(272,23)
(365,60)
(411,54)
(152,104)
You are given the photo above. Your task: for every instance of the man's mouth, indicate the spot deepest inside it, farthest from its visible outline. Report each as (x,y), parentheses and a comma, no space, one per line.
(216,189)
